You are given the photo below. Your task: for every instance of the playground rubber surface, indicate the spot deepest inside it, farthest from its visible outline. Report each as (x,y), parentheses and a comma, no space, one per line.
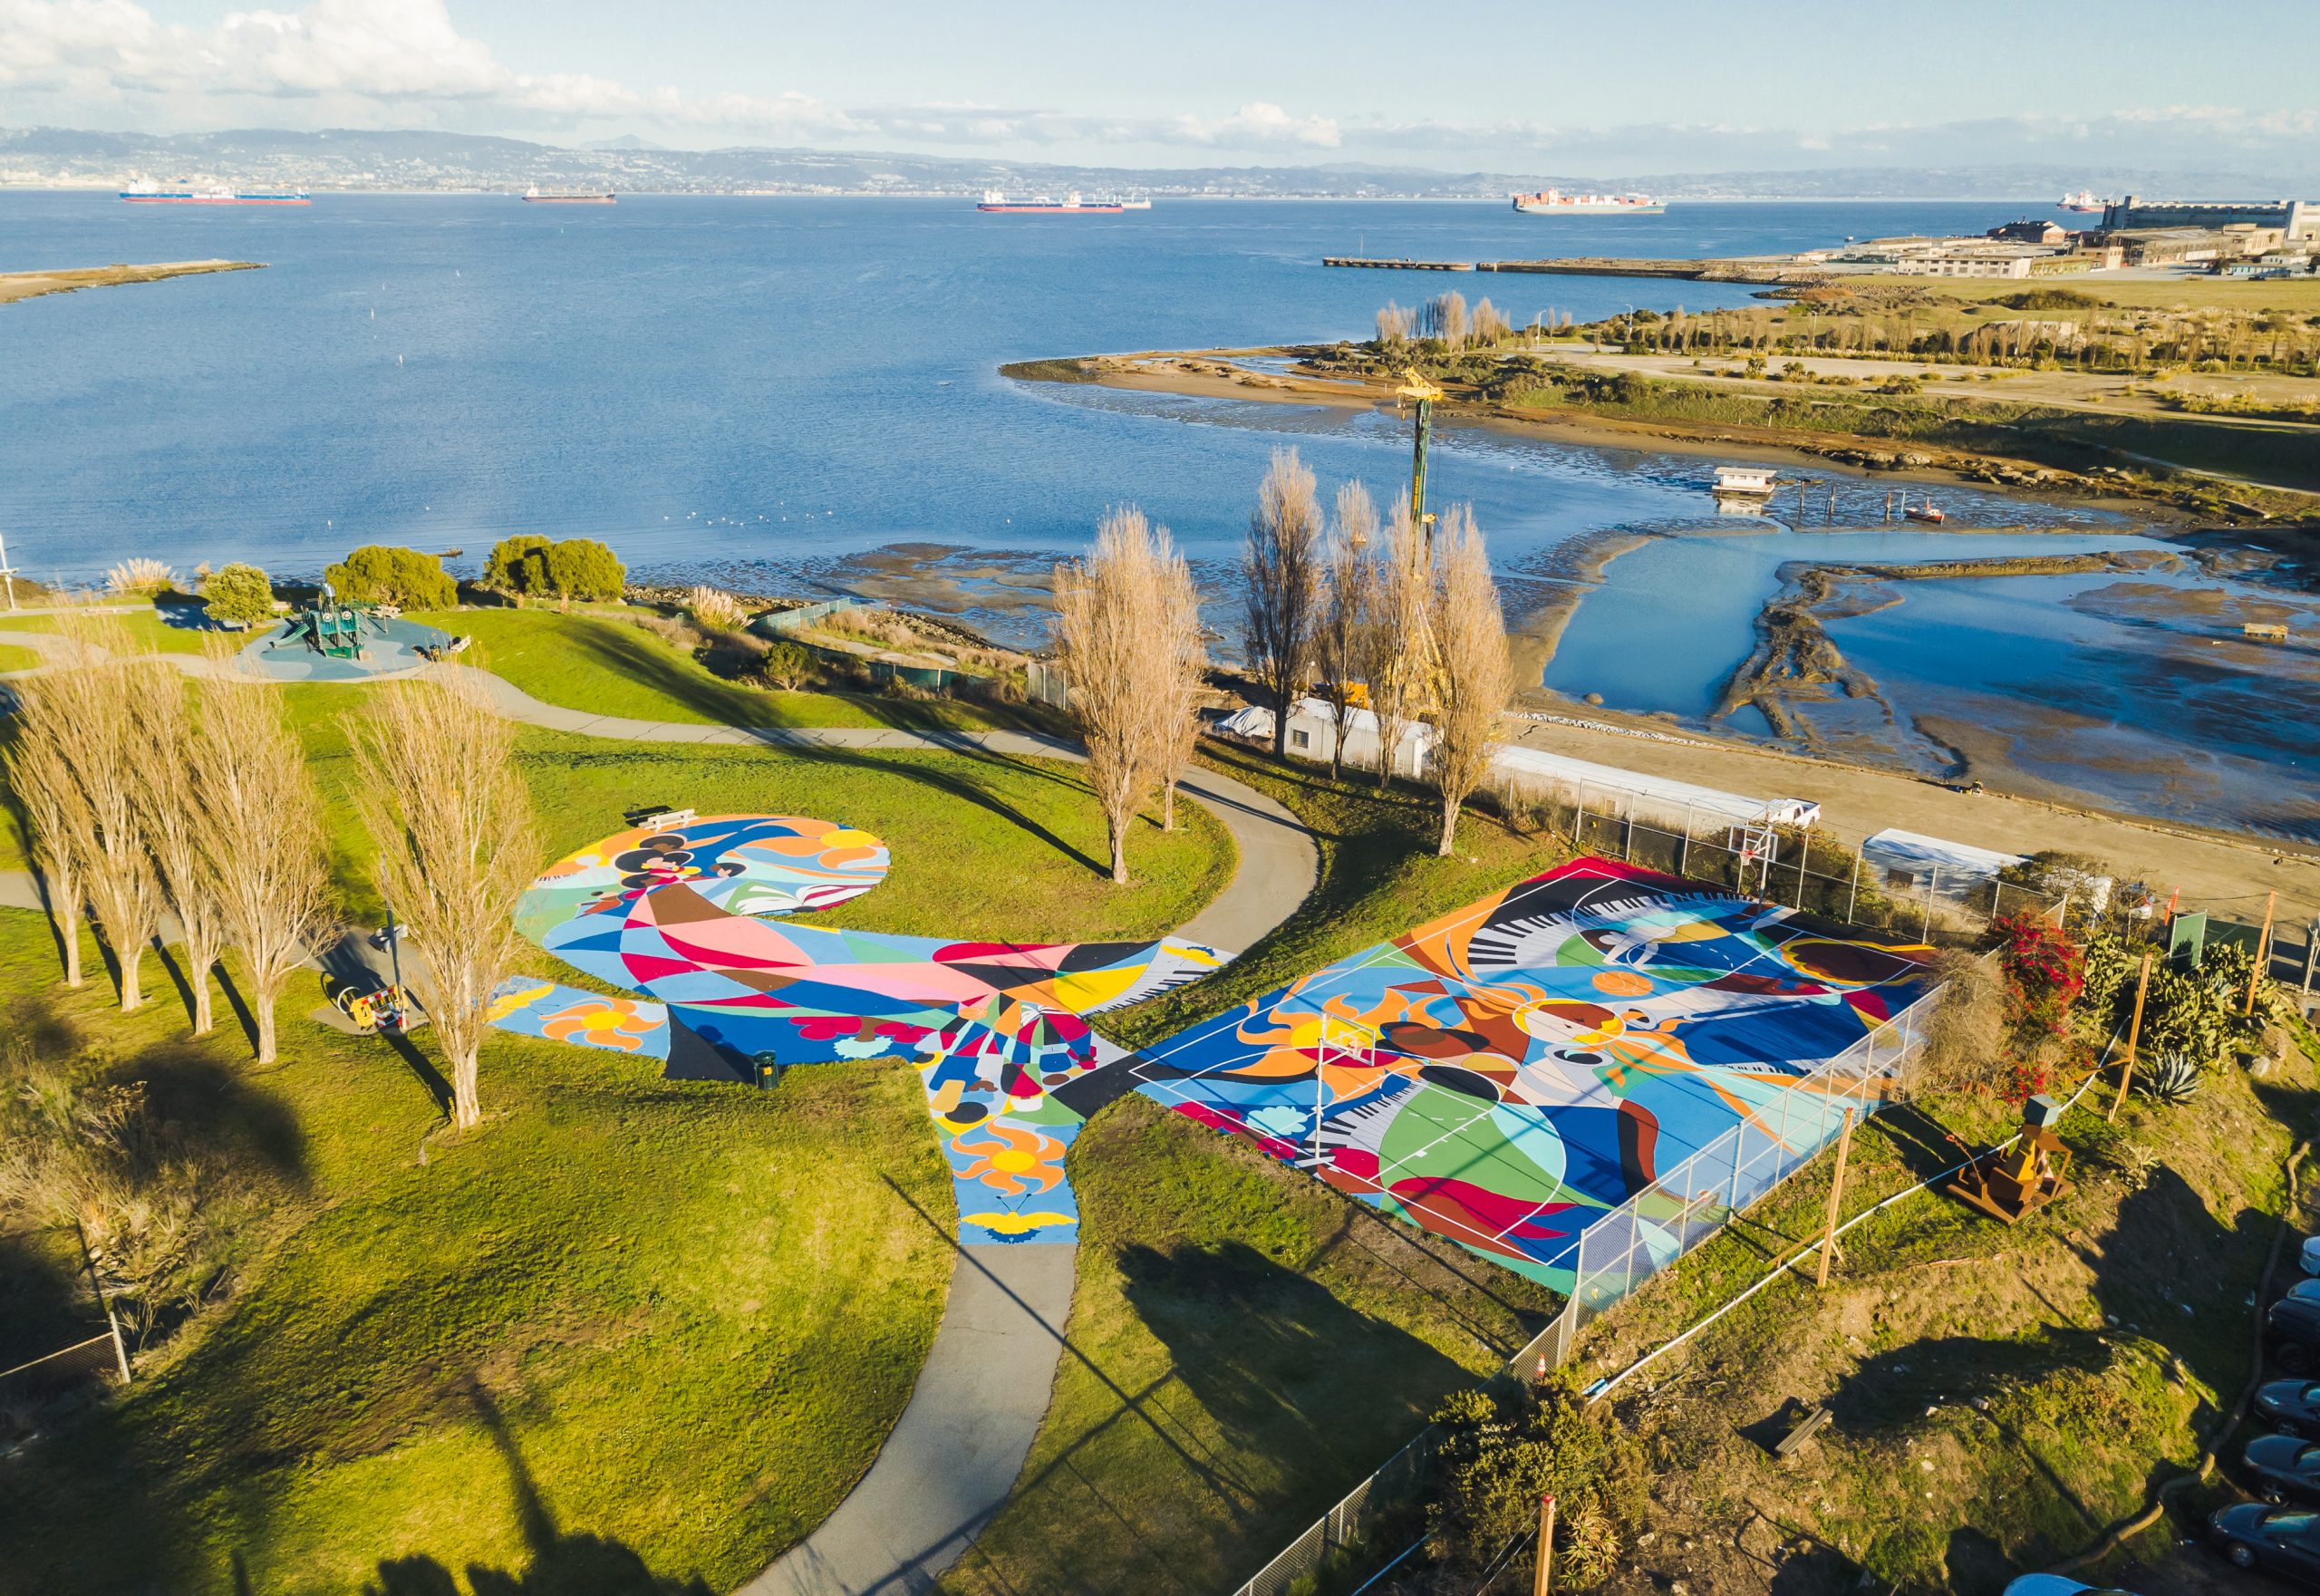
(389,647)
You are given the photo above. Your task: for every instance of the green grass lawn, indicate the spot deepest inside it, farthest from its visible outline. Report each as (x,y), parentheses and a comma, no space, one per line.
(984,845)
(601,663)
(16,657)
(1379,876)
(1244,1345)
(676,1317)
(145,625)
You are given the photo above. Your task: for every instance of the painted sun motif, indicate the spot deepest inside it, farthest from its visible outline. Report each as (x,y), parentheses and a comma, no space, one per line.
(1010,1159)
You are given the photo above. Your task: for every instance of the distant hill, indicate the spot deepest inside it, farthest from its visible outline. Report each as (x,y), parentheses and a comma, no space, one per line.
(355,159)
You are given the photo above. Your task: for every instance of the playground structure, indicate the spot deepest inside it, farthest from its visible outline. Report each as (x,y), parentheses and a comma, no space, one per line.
(333,628)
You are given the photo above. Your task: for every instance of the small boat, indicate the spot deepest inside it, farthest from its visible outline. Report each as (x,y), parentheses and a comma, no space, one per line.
(1929,514)
(2086,199)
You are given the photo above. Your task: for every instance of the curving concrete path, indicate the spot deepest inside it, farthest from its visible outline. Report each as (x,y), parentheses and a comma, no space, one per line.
(954,1457)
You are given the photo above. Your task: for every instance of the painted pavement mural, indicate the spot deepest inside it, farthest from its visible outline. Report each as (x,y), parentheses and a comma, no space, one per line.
(1503,1077)
(702,920)
(1506,1074)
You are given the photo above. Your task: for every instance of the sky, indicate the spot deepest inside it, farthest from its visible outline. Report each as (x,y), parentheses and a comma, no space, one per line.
(1583,89)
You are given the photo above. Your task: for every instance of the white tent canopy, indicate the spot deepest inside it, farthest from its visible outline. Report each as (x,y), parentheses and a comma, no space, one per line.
(1662,794)
(1919,857)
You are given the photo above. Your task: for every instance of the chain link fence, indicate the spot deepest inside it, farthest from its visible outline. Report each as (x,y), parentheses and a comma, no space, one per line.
(1752,853)
(96,1359)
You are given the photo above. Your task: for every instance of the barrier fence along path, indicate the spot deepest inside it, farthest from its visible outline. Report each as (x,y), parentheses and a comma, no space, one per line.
(1627,1246)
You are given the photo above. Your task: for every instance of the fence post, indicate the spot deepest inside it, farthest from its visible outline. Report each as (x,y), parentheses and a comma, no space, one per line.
(1925,925)
(1684,860)
(1543,1574)
(1852,891)
(1626,840)
(1579,826)
(2134,1029)
(1836,1196)
(2262,952)
(1803,859)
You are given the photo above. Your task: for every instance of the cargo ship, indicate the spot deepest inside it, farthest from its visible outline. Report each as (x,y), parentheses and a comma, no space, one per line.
(535,197)
(208,197)
(2084,199)
(1071,205)
(1555,202)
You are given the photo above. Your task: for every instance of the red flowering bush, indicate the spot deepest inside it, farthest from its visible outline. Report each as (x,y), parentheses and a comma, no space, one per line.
(2044,972)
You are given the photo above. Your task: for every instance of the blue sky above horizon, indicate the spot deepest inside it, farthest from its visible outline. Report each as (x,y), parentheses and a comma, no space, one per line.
(1583,90)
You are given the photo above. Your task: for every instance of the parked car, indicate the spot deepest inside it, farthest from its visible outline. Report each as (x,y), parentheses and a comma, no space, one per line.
(2292,1331)
(2056,1585)
(2285,1539)
(2311,1255)
(2283,1467)
(2293,1406)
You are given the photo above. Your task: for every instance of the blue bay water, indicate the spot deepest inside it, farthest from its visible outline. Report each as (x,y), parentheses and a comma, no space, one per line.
(762,390)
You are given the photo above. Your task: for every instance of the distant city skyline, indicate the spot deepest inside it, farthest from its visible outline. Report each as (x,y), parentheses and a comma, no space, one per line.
(1661,85)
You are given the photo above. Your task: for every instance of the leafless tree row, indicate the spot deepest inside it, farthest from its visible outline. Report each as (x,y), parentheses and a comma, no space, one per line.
(1129,643)
(145,795)
(1395,616)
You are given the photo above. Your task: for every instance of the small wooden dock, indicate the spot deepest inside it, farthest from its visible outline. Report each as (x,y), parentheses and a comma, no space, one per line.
(1398,266)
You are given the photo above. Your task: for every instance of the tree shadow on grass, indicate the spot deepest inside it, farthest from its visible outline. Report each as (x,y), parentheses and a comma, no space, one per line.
(1268,1353)
(562,1562)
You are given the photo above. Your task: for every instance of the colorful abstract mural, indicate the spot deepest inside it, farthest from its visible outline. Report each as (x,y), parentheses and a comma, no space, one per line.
(702,921)
(1510,1072)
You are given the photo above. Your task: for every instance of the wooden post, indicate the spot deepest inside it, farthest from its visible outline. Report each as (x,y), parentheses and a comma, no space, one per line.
(1542,1576)
(1836,1196)
(2262,954)
(2134,1030)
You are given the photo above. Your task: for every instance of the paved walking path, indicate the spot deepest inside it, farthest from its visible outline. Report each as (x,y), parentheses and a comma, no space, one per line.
(954,1455)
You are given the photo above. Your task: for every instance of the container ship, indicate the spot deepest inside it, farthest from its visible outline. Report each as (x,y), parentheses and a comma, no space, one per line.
(208,197)
(2084,199)
(1555,202)
(1071,205)
(535,197)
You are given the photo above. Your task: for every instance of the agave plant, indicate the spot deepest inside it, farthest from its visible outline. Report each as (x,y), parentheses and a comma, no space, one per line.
(141,578)
(2172,1076)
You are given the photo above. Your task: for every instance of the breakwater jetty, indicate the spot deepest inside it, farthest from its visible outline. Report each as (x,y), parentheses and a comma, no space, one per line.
(1713,271)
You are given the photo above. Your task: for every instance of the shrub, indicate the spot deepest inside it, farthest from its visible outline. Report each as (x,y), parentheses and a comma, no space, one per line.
(2044,973)
(238,596)
(786,665)
(379,574)
(140,579)
(518,566)
(1964,1047)
(714,609)
(1500,1453)
(585,569)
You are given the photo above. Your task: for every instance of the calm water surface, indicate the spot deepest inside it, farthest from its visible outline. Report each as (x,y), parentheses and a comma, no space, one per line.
(759,389)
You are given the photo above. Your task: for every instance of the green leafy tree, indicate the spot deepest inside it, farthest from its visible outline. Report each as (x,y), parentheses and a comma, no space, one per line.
(238,596)
(379,574)
(518,566)
(585,569)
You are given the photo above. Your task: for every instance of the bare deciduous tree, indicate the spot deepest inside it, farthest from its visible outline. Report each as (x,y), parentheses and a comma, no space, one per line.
(261,833)
(43,789)
(89,710)
(1281,567)
(1397,647)
(1111,659)
(452,819)
(1394,324)
(169,808)
(1443,317)
(1475,676)
(1347,621)
(1182,667)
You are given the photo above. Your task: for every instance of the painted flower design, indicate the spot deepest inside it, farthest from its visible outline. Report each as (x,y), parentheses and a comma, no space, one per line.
(611,1022)
(1010,1159)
